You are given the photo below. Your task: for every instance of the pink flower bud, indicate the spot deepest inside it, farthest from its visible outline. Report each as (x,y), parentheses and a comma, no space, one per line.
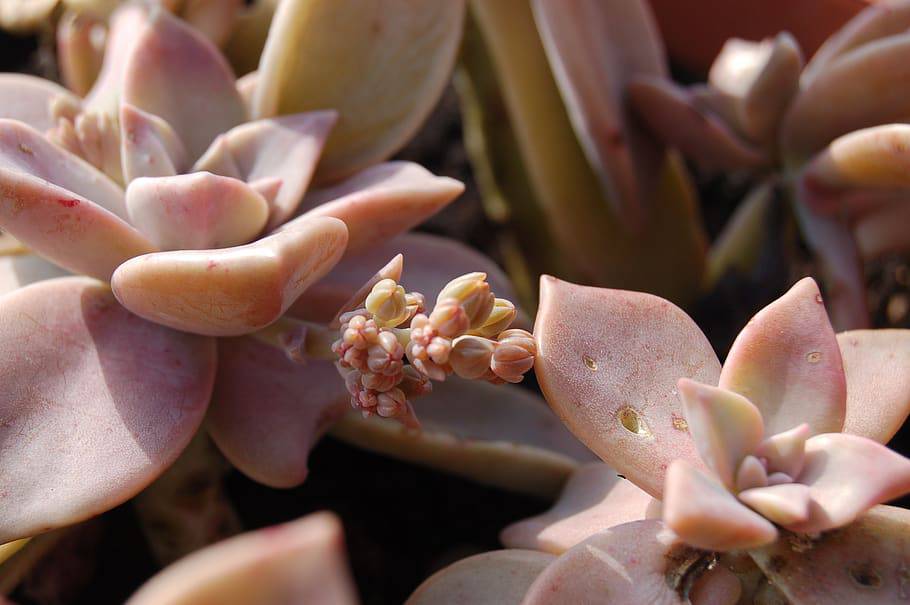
(510,362)
(471,355)
(391,403)
(449,318)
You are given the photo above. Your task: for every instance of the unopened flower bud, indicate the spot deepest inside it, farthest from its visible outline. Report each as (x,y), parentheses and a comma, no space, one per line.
(449,318)
(519,338)
(438,350)
(385,356)
(514,355)
(379,382)
(416,303)
(359,332)
(387,302)
(500,318)
(414,384)
(391,403)
(471,355)
(473,293)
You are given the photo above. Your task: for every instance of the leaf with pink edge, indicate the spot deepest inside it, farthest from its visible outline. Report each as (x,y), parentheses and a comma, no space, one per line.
(28,99)
(848,475)
(725,426)
(298,562)
(786,361)
(609,362)
(877,365)
(606,43)
(864,562)
(148,145)
(268,412)
(285,148)
(705,515)
(79,369)
(170,56)
(635,563)
(382,201)
(230,291)
(499,577)
(196,211)
(594,499)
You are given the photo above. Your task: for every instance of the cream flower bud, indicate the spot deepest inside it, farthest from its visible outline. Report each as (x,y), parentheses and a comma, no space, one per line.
(471,355)
(392,403)
(519,338)
(500,318)
(449,318)
(514,355)
(473,293)
(387,301)
(438,350)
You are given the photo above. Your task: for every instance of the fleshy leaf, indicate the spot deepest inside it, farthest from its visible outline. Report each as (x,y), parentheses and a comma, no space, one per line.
(79,369)
(28,99)
(725,426)
(860,563)
(196,211)
(880,233)
(785,452)
(499,577)
(751,473)
(170,56)
(594,48)
(877,365)
(230,291)
(717,586)
(285,148)
(318,51)
(298,562)
(848,475)
(24,15)
(705,515)
(148,145)
(125,27)
(594,499)
(786,361)
(268,412)
(627,564)
(608,363)
(382,201)
(496,434)
(80,50)
(783,504)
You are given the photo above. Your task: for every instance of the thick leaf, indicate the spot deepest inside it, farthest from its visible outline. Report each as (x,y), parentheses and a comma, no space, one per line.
(230,291)
(381,65)
(268,412)
(595,49)
(285,148)
(848,475)
(783,504)
(80,50)
(787,362)
(498,435)
(96,403)
(725,426)
(298,562)
(880,233)
(148,145)
(608,363)
(633,564)
(28,99)
(785,452)
(382,202)
(594,499)
(169,56)
(196,211)
(126,26)
(705,515)
(24,15)
(500,577)
(861,563)
(877,365)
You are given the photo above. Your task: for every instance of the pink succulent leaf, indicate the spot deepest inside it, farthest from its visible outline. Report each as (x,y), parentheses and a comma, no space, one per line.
(787,362)
(848,475)
(196,211)
(877,365)
(864,562)
(624,564)
(285,148)
(751,473)
(879,233)
(430,261)
(28,99)
(704,514)
(267,411)
(298,562)
(230,291)
(268,188)
(19,270)
(23,149)
(717,586)
(784,504)
(125,29)
(170,56)
(609,362)
(65,228)
(80,40)
(594,49)
(148,145)
(725,426)
(594,499)
(785,452)
(79,369)
(672,113)
(499,577)
(382,201)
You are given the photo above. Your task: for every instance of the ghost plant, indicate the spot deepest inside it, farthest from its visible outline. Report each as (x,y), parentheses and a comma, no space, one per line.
(753,480)
(814,133)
